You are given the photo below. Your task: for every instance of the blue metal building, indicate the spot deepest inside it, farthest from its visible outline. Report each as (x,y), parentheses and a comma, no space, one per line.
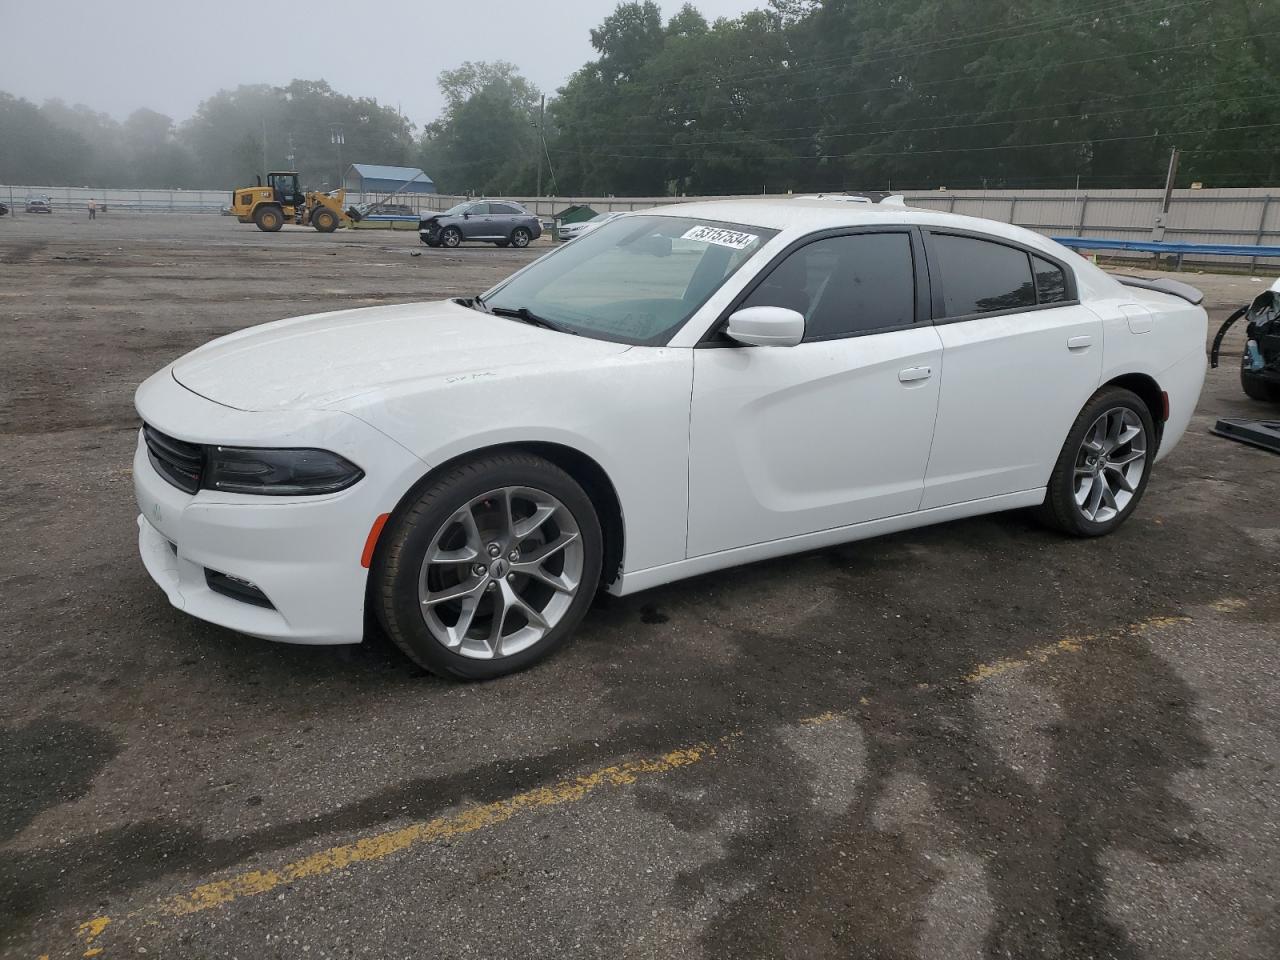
(377,178)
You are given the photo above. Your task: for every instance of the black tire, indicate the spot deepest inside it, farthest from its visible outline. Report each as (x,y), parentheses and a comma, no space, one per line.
(398,562)
(520,237)
(1256,388)
(450,237)
(502,243)
(324,220)
(269,219)
(1059,509)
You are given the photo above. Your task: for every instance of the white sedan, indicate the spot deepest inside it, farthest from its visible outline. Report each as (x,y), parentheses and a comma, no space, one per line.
(679,391)
(572,231)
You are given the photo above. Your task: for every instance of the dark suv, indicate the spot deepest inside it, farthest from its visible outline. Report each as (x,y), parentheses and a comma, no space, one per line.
(503,222)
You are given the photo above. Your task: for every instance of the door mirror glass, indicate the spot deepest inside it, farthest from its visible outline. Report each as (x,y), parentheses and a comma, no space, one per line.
(766,326)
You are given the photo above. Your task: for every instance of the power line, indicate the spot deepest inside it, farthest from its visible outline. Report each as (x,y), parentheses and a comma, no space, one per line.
(1087,115)
(1000,73)
(937,46)
(982,149)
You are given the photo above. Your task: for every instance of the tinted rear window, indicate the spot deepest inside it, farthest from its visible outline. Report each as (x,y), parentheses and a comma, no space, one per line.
(1051,282)
(982,277)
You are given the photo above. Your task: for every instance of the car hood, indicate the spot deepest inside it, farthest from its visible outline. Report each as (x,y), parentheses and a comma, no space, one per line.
(325,359)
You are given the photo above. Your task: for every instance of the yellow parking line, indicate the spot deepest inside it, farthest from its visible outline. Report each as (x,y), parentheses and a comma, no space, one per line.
(380,846)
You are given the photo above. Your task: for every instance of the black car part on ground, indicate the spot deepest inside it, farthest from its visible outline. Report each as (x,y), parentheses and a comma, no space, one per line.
(1257,433)
(1260,360)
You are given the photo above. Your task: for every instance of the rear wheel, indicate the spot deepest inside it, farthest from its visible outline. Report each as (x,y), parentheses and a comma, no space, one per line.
(491,568)
(450,236)
(1104,465)
(520,237)
(268,219)
(324,220)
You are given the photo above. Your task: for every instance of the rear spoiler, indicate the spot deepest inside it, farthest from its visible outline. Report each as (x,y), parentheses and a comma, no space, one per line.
(1163,285)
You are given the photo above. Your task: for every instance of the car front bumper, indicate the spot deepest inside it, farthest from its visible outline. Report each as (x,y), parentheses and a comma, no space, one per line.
(302,553)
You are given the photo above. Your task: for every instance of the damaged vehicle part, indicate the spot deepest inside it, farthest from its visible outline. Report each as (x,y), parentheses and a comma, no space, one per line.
(1260,359)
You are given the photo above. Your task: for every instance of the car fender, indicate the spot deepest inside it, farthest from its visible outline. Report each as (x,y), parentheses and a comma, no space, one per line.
(629,414)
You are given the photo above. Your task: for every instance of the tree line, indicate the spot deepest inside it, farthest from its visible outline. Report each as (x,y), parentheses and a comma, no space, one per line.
(799,95)
(234,134)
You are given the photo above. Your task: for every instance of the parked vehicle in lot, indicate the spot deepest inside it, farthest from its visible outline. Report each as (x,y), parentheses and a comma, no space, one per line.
(393,210)
(502,222)
(40,204)
(3,209)
(571,231)
(679,391)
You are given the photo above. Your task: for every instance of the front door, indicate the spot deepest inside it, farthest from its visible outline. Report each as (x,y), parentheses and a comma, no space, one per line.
(786,441)
(476,223)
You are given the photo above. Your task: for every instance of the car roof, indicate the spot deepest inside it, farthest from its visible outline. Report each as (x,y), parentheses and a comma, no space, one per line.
(808,214)
(797,216)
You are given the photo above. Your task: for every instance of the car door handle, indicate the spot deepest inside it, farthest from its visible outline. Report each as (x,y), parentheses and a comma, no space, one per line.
(1079,343)
(912,374)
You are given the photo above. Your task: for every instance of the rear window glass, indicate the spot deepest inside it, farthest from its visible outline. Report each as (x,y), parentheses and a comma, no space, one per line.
(982,277)
(1051,282)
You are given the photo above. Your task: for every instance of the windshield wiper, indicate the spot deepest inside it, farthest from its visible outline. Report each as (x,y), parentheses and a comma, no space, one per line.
(477,303)
(525,315)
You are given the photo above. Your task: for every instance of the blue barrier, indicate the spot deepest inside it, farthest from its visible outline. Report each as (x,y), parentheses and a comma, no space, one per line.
(1155,246)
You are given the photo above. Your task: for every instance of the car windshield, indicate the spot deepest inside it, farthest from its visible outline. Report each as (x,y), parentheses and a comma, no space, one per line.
(634,279)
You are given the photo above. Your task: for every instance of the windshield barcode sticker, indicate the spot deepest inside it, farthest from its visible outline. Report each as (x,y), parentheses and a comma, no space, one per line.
(721,237)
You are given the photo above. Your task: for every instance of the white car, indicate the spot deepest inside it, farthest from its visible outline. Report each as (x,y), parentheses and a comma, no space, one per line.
(572,231)
(679,391)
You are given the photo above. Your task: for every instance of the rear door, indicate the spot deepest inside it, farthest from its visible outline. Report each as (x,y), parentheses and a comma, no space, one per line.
(786,441)
(505,216)
(1022,357)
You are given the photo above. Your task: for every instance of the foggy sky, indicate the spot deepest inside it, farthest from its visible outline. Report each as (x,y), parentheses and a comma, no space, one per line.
(118,55)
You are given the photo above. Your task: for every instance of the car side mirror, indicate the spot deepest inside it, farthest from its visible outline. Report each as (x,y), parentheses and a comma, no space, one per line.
(766,326)
(467,215)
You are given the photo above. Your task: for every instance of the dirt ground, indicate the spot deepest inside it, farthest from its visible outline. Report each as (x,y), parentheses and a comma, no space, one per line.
(980,739)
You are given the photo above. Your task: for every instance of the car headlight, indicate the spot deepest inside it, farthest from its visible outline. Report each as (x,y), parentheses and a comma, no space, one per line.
(279,473)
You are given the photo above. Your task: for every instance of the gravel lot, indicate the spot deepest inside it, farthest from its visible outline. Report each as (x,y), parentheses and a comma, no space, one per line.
(979,739)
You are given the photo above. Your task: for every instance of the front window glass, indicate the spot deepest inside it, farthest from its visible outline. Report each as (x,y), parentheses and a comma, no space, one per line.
(845,285)
(457,210)
(634,280)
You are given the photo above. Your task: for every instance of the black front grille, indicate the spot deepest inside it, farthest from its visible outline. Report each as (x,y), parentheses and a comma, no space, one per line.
(236,589)
(179,462)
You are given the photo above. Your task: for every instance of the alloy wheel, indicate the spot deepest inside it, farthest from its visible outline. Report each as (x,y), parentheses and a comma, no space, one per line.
(501,573)
(1109,464)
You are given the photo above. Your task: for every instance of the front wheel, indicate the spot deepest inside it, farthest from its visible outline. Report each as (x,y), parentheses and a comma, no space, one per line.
(324,220)
(491,568)
(450,236)
(1103,468)
(520,237)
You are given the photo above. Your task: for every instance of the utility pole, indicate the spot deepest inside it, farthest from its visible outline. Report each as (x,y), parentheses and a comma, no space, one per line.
(337,138)
(264,149)
(1169,178)
(1157,231)
(542,140)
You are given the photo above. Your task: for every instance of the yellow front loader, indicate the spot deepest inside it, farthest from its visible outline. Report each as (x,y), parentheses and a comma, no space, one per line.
(281,202)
